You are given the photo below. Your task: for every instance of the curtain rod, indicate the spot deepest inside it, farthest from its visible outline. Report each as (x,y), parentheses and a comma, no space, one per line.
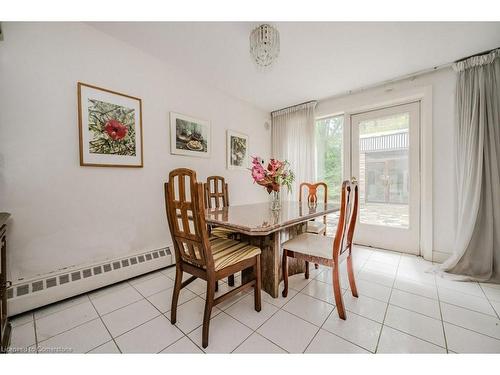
(477,54)
(393,80)
(295,105)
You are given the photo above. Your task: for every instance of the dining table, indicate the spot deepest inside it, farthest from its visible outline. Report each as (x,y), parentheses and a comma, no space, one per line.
(268,229)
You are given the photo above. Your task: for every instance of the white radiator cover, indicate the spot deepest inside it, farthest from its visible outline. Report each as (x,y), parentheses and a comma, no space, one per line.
(25,295)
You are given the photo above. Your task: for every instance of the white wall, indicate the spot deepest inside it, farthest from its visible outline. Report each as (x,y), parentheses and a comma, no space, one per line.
(443,91)
(64,214)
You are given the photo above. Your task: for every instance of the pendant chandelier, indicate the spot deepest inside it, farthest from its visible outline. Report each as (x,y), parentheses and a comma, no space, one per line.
(264,45)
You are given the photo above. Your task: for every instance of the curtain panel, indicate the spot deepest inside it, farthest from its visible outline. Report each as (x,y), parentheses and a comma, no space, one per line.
(293,140)
(477,246)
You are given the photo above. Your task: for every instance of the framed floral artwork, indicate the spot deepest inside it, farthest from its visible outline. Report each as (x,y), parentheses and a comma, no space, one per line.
(237,150)
(110,126)
(189,136)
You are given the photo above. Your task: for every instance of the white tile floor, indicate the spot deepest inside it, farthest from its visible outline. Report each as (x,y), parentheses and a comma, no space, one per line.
(401,309)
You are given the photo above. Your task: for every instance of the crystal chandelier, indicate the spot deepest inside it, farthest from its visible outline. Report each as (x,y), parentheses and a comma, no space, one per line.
(264,45)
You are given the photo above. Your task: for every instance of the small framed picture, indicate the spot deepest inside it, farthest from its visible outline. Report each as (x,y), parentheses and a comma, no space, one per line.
(189,136)
(110,128)
(237,150)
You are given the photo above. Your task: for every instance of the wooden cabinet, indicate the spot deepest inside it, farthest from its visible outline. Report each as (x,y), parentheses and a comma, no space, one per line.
(4,323)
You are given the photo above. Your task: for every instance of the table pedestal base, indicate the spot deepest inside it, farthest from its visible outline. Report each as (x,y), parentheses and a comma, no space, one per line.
(271,257)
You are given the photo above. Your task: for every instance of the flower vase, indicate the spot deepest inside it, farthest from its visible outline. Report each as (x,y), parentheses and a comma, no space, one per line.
(275,200)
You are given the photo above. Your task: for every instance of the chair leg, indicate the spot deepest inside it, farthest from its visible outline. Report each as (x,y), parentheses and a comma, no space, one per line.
(209,302)
(307,269)
(216,286)
(175,295)
(350,274)
(316,265)
(337,291)
(284,265)
(230,280)
(257,286)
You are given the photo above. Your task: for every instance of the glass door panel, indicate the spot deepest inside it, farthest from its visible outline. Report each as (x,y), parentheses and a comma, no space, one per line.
(384,159)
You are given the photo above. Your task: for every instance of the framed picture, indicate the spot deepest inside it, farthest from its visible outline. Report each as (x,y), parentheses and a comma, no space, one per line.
(189,136)
(110,126)
(237,150)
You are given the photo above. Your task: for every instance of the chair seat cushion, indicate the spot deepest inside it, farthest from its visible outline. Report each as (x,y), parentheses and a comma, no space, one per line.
(315,227)
(227,252)
(311,244)
(221,232)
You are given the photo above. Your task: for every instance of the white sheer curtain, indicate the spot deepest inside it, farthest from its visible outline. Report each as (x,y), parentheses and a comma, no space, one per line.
(477,245)
(293,140)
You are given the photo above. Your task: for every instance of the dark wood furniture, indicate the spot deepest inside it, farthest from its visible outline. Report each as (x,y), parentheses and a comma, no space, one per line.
(259,225)
(196,253)
(4,284)
(216,192)
(312,200)
(217,196)
(328,251)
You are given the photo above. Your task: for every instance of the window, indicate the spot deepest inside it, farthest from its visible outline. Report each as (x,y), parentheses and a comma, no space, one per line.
(329,154)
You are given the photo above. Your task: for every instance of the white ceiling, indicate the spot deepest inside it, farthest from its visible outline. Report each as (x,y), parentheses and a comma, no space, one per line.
(317,60)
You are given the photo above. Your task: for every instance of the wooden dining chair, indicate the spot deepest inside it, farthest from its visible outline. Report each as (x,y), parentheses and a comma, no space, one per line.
(313,226)
(217,196)
(201,256)
(329,251)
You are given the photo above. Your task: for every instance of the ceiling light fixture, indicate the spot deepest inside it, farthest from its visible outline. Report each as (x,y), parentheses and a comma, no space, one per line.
(264,45)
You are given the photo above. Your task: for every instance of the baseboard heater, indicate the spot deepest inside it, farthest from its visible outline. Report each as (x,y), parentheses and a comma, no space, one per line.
(25,295)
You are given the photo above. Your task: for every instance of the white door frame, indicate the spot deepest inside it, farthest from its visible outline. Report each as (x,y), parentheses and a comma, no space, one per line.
(385,236)
(379,100)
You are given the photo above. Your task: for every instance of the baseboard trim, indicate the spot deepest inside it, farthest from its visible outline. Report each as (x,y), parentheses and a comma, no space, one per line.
(439,256)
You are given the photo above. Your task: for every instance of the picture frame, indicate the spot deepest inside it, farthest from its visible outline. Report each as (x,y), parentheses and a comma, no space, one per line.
(110,128)
(189,136)
(237,150)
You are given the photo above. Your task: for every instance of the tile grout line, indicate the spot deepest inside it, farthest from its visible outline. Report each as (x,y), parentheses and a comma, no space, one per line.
(126,281)
(98,346)
(105,326)
(487,298)
(322,324)
(387,307)
(335,309)
(169,345)
(442,321)
(264,337)
(253,330)
(409,334)
(471,330)
(98,316)
(164,315)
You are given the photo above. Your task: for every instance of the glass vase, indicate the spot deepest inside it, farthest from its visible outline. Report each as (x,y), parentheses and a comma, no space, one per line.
(275,201)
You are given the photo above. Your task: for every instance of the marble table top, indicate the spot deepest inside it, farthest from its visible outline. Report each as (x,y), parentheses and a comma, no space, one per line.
(258,220)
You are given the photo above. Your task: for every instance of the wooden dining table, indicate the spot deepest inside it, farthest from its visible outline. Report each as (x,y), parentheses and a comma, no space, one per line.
(258,225)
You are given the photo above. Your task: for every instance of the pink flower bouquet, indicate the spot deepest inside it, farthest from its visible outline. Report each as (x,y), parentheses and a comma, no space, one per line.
(276,174)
